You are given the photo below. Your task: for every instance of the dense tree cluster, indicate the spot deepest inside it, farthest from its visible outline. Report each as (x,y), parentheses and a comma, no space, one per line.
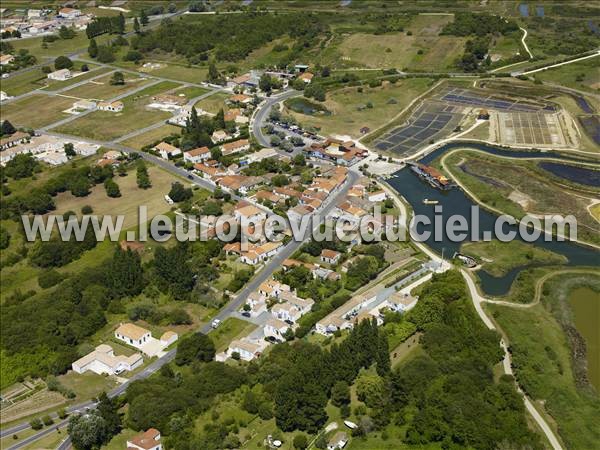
(231,38)
(102,25)
(93,429)
(480,24)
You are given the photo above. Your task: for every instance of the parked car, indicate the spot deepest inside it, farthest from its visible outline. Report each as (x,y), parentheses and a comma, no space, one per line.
(215,323)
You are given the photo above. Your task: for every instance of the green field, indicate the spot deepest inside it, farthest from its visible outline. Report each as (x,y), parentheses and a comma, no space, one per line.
(229,330)
(213,103)
(58,47)
(149,137)
(543,361)
(170,69)
(498,258)
(37,110)
(349,111)
(101,89)
(104,125)
(584,75)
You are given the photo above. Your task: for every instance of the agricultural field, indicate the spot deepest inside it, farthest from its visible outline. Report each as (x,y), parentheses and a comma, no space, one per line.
(349,107)
(48,109)
(104,125)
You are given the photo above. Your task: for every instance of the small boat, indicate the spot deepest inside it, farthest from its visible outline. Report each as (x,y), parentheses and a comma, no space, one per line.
(350,425)
(430,202)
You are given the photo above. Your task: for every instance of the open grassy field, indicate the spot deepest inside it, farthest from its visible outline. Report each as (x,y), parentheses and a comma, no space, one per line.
(518,188)
(498,258)
(127,204)
(36,110)
(176,70)
(58,47)
(213,103)
(101,89)
(119,442)
(104,125)
(543,360)
(229,330)
(87,385)
(584,75)
(151,136)
(346,118)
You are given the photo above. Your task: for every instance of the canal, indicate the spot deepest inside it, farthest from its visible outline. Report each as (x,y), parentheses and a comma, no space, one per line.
(456,202)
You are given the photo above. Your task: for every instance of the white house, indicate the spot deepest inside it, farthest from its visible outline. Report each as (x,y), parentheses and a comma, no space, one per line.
(133,335)
(246,349)
(69,13)
(400,302)
(275,328)
(148,440)
(60,75)
(103,360)
(302,305)
(53,158)
(286,311)
(377,196)
(6,59)
(257,304)
(260,155)
(111,106)
(219,136)
(197,155)
(330,256)
(166,150)
(240,145)
(338,441)
(250,213)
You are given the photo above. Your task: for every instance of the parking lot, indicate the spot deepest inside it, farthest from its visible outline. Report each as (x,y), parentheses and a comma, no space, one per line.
(432,120)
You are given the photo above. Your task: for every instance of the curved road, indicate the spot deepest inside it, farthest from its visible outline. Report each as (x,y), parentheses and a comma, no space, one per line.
(262,112)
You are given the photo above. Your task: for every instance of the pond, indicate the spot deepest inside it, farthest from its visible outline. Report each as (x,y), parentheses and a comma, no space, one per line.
(455,201)
(585,304)
(576,174)
(583,104)
(304,106)
(592,127)
(524,10)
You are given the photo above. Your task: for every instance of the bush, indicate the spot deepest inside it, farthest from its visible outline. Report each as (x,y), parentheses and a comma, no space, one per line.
(49,278)
(87,209)
(62,62)
(47,420)
(36,424)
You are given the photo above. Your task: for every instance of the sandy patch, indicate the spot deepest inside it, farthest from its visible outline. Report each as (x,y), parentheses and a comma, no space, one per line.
(523,200)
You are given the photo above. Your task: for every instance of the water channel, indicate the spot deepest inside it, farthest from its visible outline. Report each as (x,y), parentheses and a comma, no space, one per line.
(455,201)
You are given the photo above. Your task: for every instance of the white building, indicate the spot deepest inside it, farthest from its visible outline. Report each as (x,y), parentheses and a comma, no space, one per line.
(260,155)
(133,335)
(197,155)
(69,13)
(53,158)
(111,106)
(148,440)
(276,328)
(219,136)
(167,150)
(60,75)
(103,361)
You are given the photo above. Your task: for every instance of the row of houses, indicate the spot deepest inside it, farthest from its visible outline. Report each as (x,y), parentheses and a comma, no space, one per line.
(40,21)
(343,153)
(48,149)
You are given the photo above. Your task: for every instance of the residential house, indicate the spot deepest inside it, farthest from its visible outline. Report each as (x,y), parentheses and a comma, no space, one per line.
(246,349)
(265,153)
(69,13)
(285,311)
(132,334)
(276,328)
(400,302)
(53,158)
(231,114)
(306,77)
(273,288)
(296,213)
(376,196)
(169,99)
(267,196)
(240,183)
(148,440)
(287,192)
(257,304)
(196,155)
(111,106)
(289,263)
(240,99)
(18,137)
(103,361)
(60,75)
(249,213)
(240,145)
(206,171)
(168,338)
(330,256)
(302,305)
(6,59)
(166,150)
(219,136)
(260,253)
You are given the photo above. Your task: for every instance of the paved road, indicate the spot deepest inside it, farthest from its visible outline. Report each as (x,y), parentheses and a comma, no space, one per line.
(557,65)
(262,112)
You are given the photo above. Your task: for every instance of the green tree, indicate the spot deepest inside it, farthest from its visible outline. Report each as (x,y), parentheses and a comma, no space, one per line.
(4,238)
(7,128)
(120,25)
(109,410)
(117,79)
(125,273)
(136,25)
(87,431)
(62,62)
(93,48)
(143,179)
(66,32)
(105,54)
(144,18)
(36,424)
(112,188)
(340,393)
(300,441)
(179,193)
(197,347)
(69,150)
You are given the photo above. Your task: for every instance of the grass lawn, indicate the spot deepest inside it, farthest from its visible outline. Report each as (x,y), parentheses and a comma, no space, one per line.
(127,204)
(213,103)
(119,442)
(149,137)
(406,350)
(191,91)
(58,47)
(36,111)
(173,70)
(24,82)
(48,442)
(543,360)
(101,89)
(584,75)
(78,76)
(104,125)
(87,385)
(9,440)
(347,119)
(500,257)
(229,330)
